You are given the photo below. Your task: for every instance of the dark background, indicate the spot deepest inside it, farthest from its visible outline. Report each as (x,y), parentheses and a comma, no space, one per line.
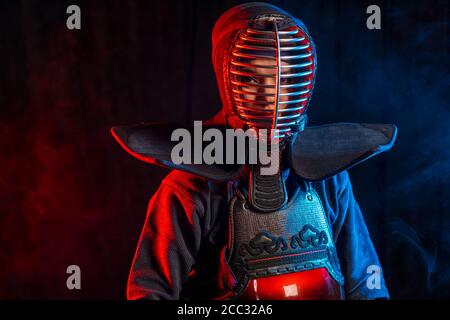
(70,195)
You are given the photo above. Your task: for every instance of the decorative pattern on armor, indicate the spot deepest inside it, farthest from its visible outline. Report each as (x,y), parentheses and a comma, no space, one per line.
(263,241)
(294,238)
(309,236)
(266,242)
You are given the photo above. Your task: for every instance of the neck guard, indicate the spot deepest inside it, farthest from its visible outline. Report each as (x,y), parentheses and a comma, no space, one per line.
(315,153)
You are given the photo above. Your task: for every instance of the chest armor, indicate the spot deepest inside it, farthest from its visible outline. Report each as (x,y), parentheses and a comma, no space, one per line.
(286,253)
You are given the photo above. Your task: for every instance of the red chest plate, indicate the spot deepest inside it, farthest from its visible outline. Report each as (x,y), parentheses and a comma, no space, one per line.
(316,284)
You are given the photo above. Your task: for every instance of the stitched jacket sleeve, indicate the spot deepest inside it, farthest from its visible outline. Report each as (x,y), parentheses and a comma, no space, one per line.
(360,265)
(167,246)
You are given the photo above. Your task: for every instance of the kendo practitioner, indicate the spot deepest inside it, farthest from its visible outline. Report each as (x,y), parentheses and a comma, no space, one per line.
(229,231)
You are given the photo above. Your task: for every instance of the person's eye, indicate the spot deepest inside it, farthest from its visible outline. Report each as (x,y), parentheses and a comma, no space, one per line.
(284,81)
(250,80)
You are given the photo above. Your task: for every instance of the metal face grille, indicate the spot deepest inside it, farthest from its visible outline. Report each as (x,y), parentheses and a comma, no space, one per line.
(271,77)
